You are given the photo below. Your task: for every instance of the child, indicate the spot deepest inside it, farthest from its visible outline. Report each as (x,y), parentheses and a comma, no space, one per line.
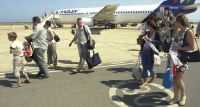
(51,51)
(16,49)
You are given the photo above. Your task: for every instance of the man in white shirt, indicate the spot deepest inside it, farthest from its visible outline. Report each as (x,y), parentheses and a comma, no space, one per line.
(82,35)
(40,44)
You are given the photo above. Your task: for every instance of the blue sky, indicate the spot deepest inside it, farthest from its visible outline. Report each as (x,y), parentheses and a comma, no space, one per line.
(20,10)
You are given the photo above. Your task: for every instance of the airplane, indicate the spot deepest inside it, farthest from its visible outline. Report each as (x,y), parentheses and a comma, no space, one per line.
(111,15)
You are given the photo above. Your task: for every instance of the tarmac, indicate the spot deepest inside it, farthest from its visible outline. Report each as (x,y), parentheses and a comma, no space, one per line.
(108,85)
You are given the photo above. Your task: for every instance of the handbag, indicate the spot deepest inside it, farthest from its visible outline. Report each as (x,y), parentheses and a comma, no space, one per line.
(28,52)
(56,37)
(90,42)
(191,56)
(93,60)
(157,59)
(137,73)
(168,79)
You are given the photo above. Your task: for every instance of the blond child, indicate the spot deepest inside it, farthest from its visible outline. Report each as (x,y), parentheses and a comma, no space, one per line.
(16,49)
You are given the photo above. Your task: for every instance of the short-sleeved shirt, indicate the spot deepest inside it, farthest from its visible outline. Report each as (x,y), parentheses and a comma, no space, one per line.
(17,48)
(39,37)
(81,37)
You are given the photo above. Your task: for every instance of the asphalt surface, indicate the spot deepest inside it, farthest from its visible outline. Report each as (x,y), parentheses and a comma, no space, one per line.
(89,89)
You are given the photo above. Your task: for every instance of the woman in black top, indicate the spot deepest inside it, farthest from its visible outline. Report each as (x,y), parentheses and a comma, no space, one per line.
(185,43)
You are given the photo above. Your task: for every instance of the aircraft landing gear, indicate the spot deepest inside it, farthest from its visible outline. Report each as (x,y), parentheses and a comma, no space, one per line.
(110,26)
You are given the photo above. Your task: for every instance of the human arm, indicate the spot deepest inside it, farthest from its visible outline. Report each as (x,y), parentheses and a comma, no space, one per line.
(73,40)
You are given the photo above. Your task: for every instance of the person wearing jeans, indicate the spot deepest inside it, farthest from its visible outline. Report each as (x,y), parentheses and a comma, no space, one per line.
(40,43)
(82,34)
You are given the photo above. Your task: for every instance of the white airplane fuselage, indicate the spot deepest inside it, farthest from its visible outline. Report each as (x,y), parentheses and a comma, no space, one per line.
(122,15)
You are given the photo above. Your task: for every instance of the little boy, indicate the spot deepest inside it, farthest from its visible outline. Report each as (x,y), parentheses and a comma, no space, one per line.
(16,49)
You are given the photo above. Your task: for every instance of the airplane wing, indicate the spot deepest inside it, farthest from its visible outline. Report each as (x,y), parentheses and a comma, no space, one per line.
(197,5)
(106,14)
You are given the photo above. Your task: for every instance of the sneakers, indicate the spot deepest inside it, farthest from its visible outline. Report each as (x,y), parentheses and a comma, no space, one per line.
(182,102)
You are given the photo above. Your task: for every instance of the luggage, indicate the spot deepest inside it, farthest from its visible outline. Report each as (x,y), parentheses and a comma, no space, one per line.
(93,60)
(137,73)
(168,79)
(28,51)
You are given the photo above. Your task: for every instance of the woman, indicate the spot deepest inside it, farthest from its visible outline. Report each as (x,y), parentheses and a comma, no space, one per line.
(185,43)
(147,53)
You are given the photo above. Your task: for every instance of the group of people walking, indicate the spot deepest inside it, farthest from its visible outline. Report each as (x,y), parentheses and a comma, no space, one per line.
(43,40)
(162,32)
(166,32)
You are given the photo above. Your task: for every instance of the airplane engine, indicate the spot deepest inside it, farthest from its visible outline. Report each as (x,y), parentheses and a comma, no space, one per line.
(88,21)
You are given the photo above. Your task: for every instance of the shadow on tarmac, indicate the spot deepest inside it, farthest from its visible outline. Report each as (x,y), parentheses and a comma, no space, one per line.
(7,83)
(151,98)
(119,69)
(67,62)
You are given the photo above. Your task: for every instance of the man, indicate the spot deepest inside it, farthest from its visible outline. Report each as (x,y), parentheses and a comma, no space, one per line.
(40,44)
(82,35)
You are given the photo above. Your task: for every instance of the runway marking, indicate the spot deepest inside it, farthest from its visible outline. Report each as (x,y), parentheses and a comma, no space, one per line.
(113,94)
(126,91)
(34,71)
(113,65)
